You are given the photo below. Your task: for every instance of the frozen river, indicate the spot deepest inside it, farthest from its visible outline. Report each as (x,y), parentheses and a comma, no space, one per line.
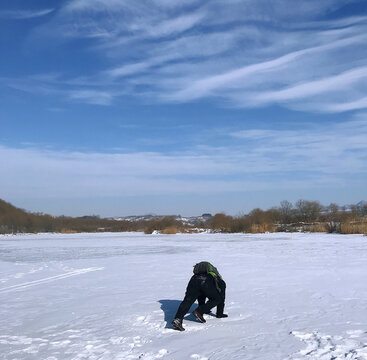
(113,296)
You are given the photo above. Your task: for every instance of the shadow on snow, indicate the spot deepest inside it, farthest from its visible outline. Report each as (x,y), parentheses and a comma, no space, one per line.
(170,307)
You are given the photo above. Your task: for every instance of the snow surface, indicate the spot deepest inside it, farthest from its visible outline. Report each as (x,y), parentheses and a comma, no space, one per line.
(113,296)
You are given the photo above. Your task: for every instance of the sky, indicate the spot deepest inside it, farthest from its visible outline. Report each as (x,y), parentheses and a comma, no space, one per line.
(126,107)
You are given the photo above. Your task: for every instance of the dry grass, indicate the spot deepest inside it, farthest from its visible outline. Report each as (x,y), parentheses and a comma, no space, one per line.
(68,231)
(352,227)
(170,230)
(263,228)
(323,228)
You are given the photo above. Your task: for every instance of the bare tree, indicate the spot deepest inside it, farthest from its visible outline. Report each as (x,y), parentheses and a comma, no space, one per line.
(308,210)
(286,212)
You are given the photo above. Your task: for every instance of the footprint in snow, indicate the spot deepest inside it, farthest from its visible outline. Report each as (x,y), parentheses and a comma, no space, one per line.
(198,357)
(327,347)
(149,356)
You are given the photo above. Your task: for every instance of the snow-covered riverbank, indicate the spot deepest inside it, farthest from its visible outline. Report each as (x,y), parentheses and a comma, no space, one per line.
(112,296)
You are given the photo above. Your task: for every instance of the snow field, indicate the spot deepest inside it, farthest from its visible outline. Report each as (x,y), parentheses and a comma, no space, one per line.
(113,296)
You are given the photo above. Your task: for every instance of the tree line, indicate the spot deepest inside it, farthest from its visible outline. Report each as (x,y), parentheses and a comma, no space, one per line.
(302,216)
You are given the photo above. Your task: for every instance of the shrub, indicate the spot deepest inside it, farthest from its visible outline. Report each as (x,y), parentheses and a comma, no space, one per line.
(221,222)
(148,230)
(170,230)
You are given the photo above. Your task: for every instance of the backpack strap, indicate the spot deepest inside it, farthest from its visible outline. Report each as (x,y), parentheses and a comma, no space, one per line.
(205,267)
(213,271)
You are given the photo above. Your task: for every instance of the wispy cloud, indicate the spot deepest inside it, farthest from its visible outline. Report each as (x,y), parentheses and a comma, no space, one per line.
(82,90)
(312,140)
(343,106)
(316,87)
(92,96)
(24,14)
(334,90)
(130,69)
(252,54)
(174,54)
(263,75)
(171,26)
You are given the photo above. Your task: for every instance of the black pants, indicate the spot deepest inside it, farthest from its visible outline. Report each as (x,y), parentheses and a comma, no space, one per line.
(220,306)
(200,286)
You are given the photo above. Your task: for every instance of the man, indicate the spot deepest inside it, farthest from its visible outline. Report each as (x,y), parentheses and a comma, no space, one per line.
(205,283)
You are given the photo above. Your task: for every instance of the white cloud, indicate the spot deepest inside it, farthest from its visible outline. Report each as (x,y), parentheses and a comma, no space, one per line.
(175,3)
(343,106)
(130,20)
(247,53)
(340,82)
(77,90)
(329,24)
(94,5)
(237,78)
(258,159)
(130,69)
(175,25)
(328,149)
(92,96)
(24,14)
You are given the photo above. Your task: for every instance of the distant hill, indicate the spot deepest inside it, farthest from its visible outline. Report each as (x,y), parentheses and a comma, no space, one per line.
(191,220)
(15,220)
(7,209)
(362,204)
(11,216)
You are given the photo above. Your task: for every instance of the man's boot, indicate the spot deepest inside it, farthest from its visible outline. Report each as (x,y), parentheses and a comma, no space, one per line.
(199,316)
(177,324)
(222,316)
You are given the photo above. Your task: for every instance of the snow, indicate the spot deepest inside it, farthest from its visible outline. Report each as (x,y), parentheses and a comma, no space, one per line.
(113,296)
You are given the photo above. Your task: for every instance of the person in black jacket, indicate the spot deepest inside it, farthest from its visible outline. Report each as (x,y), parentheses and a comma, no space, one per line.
(205,283)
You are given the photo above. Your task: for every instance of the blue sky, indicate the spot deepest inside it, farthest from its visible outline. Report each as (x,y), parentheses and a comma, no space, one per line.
(126,107)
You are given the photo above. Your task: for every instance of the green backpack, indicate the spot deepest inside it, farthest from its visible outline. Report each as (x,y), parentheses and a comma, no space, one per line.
(206,267)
